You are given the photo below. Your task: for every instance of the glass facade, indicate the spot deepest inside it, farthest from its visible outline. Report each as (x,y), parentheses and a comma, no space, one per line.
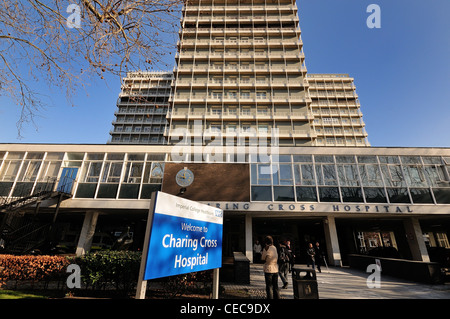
(349,178)
(101,175)
(289,178)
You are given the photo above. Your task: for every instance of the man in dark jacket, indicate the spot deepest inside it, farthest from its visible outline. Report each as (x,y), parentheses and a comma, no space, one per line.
(318,256)
(311,252)
(284,257)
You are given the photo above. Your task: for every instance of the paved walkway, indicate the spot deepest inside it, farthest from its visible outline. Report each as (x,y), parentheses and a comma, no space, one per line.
(342,283)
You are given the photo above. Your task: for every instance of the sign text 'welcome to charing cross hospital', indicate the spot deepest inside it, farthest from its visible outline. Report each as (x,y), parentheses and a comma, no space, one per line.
(186,237)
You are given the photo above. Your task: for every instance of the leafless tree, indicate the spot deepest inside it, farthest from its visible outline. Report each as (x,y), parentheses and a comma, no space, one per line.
(65,43)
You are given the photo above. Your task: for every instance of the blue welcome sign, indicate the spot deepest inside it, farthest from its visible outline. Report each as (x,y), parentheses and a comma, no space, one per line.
(185,237)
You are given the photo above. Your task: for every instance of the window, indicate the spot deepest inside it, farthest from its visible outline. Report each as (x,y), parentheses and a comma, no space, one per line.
(232,95)
(261,174)
(111,172)
(370,175)
(260,80)
(232,65)
(283,193)
(217,94)
(393,175)
(260,65)
(352,194)
(263,128)
(216,128)
(435,175)
(133,172)
(330,120)
(261,95)
(348,175)
(375,195)
(216,111)
(91,172)
(414,176)
(329,194)
(262,193)
(29,171)
(306,194)
(232,111)
(50,169)
(231,128)
(246,128)
(245,94)
(282,174)
(218,79)
(398,195)
(442,240)
(442,195)
(263,111)
(304,174)
(326,174)
(421,196)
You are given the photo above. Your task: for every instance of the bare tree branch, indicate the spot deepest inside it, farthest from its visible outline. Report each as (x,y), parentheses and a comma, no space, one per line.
(36,45)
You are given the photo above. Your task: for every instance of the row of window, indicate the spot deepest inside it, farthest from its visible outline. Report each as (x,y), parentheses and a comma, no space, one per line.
(234,110)
(242,39)
(351,194)
(346,178)
(239,66)
(148,110)
(363,174)
(138,129)
(138,139)
(341,141)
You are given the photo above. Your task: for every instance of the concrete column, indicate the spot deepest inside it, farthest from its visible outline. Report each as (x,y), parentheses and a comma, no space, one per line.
(415,240)
(249,237)
(87,233)
(331,238)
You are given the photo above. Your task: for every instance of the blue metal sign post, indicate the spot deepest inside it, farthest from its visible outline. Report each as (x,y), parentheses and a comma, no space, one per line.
(182,236)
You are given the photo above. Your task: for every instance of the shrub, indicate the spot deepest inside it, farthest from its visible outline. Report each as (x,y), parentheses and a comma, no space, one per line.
(119,268)
(196,282)
(32,268)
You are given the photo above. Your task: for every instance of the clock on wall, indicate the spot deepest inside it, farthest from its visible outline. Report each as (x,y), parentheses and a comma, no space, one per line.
(184,177)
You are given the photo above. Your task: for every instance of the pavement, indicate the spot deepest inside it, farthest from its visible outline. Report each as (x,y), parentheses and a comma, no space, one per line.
(341,283)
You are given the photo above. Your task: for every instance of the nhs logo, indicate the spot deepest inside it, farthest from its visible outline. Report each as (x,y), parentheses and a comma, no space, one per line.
(218,213)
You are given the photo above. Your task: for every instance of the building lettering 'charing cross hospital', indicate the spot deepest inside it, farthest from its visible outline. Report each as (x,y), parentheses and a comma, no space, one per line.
(238,125)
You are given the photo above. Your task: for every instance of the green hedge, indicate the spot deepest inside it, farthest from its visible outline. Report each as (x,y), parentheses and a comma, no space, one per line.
(103,268)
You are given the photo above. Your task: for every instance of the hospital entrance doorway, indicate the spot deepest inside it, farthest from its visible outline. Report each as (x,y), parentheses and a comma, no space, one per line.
(300,232)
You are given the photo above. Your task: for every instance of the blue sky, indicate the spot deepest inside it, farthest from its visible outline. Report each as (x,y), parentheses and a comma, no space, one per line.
(401,71)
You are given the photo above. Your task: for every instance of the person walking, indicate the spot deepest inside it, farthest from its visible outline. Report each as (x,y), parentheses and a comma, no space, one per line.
(270,258)
(291,252)
(311,252)
(284,258)
(257,252)
(318,256)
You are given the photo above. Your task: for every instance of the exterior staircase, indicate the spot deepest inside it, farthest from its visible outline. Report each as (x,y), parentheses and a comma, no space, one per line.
(21,233)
